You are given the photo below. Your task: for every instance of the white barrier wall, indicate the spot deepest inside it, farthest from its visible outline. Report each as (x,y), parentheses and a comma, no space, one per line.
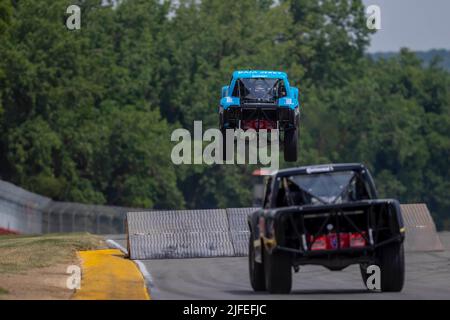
(25,212)
(20,210)
(224,232)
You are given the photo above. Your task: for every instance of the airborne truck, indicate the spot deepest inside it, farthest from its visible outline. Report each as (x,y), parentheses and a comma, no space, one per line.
(327,215)
(262,100)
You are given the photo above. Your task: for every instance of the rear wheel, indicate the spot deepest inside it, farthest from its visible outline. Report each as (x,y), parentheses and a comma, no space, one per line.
(391,260)
(291,145)
(278,273)
(392,267)
(256,270)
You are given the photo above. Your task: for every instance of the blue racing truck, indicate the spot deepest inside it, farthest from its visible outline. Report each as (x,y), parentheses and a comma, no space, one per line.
(262,100)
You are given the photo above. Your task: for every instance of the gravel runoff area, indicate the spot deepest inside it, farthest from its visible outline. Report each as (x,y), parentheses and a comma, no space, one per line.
(35,267)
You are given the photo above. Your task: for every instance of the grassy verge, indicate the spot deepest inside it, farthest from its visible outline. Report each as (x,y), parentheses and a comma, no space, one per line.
(22,253)
(3,291)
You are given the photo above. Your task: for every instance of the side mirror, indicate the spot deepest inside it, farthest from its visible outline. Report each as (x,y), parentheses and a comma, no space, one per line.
(224,91)
(294,91)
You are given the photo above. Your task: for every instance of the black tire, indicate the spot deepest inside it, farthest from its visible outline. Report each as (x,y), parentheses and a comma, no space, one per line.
(392,267)
(364,275)
(224,144)
(291,145)
(278,272)
(256,270)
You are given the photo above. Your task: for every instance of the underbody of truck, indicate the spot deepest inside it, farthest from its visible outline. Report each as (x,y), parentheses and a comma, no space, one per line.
(251,115)
(335,236)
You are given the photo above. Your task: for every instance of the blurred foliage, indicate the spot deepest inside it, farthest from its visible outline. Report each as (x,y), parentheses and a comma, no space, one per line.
(86,115)
(440,57)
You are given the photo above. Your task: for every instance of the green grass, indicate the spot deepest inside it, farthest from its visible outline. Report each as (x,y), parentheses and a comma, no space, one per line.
(21,253)
(3,291)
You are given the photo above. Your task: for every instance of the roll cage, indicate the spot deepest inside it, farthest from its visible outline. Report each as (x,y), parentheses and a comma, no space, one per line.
(279,190)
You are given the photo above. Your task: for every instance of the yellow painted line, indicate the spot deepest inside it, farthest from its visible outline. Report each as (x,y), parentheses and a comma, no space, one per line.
(107,275)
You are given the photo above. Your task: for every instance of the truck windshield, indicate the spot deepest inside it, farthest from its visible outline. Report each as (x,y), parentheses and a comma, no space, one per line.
(324,188)
(259,89)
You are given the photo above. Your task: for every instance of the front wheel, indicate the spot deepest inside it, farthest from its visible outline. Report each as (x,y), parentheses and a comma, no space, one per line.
(291,144)
(256,270)
(364,274)
(224,144)
(278,273)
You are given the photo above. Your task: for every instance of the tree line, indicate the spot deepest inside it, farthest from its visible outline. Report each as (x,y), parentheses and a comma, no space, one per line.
(86,115)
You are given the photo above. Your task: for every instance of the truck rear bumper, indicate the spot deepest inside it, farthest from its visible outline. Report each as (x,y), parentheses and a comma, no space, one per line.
(281,117)
(342,251)
(339,258)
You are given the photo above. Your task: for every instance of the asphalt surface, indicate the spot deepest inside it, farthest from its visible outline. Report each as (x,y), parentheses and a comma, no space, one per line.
(427,277)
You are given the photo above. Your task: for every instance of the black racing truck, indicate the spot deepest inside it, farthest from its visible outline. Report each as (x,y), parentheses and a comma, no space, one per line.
(327,215)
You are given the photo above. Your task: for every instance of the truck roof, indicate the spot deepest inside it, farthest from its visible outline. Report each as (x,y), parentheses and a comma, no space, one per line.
(259,74)
(319,168)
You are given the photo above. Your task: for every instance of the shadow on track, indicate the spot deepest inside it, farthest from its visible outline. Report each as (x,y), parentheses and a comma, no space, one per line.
(304,292)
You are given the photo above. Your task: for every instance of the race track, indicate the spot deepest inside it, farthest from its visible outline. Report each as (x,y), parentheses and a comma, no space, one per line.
(427,277)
